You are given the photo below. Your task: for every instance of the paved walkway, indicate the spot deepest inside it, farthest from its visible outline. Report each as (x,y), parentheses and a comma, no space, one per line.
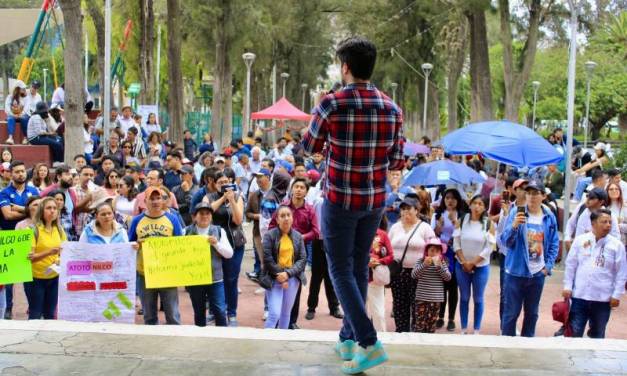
(250,309)
(62,348)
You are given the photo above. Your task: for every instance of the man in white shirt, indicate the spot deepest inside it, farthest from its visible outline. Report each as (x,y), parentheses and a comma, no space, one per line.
(579,223)
(126,121)
(58,96)
(595,275)
(280,151)
(32,98)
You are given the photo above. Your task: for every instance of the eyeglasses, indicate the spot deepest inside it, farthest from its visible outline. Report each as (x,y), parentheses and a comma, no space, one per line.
(113,176)
(126,147)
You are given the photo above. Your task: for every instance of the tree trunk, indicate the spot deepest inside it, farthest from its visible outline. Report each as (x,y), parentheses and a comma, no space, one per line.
(456,57)
(480,83)
(146,54)
(220,120)
(175,75)
(433,112)
(227,108)
(516,73)
(74,90)
(94,8)
(622,124)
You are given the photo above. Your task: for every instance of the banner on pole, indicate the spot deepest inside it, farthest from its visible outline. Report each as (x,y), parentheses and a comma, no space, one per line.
(15,245)
(177,261)
(97,282)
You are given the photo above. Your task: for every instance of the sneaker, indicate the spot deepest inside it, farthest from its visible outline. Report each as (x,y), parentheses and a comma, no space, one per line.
(337,313)
(8,314)
(365,359)
(25,141)
(239,291)
(232,322)
(210,318)
(345,350)
(253,276)
(265,315)
(560,332)
(310,315)
(439,324)
(294,326)
(9,140)
(451,326)
(260,291)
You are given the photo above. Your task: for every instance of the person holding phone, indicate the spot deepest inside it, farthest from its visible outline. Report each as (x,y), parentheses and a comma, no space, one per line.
(532,241)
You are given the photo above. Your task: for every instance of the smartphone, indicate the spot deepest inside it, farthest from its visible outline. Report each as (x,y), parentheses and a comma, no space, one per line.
(520,209)
(505,196)
(228,187)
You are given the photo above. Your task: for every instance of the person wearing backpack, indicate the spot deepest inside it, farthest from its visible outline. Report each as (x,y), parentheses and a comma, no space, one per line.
(473,243)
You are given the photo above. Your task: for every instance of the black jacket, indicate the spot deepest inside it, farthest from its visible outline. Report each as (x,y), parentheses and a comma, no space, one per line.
(271,243)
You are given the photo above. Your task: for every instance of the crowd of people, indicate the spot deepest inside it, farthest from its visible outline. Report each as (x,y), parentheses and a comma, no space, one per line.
(433,246)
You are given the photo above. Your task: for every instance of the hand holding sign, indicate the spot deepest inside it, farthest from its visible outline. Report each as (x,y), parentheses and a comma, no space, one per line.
(15,266)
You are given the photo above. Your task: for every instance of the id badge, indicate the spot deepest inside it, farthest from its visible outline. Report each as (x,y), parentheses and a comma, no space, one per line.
(599,262)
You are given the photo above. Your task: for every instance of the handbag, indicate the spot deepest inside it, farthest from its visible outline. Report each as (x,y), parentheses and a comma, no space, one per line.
(265,280)
(381,275)
(395,266)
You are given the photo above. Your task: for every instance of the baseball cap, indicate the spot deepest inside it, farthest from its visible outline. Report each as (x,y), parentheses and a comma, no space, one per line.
(313,175)
(20,84)
(286,165)
(35,84)
(598,193)
(150,190)
(600,146)
(409,201)
(535,185)
(519,182)
(202,205)
(263,172)
(219,159)
(169,143)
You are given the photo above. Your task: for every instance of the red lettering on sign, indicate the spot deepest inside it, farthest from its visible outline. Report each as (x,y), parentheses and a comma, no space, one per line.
(81,286)
(116,285)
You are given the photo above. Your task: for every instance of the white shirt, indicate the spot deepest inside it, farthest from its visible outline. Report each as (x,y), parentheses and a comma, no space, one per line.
(58,97)
(596,270)
(149,128)
(88,144)
(31,103)
(583,224)
(474,240)
(126,124)
(416,249)
(535,242)
(9,101)
(224,247)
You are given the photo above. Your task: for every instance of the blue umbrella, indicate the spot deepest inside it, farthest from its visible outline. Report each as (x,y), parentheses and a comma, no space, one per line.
(442,172)
(502,141)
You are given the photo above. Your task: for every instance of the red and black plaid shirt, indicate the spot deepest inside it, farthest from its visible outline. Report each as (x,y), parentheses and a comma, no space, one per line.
(362,128)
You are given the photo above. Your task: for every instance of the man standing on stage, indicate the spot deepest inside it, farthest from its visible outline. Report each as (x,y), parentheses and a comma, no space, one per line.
(362,128)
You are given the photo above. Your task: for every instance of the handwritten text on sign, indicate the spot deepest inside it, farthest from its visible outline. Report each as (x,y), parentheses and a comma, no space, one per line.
(14,263)
(177,261)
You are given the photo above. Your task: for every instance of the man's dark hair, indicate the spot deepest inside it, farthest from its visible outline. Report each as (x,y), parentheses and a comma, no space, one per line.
(233,144)
(281,139)
(109,158)
(301,180)
(599,212)
(613,172)
(16,163)
(270,163)
(77,156)
(175,154)
(359,54)
(299,164)
(209,173)
(60,170)
(133,130)
(229,173)
(597,174)
(86,167)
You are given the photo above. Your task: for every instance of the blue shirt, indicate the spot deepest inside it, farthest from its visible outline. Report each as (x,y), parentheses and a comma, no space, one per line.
(9,196)
(172,179)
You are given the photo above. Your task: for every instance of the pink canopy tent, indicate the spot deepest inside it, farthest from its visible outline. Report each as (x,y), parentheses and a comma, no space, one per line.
(281,110)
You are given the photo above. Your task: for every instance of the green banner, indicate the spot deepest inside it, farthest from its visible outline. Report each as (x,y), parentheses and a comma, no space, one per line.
(15,245)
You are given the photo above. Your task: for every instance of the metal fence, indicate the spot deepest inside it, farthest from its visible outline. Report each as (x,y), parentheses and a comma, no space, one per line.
(199,123)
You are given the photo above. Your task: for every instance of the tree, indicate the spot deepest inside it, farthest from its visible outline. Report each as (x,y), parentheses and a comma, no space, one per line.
(453,37)
(221,73)
(175,75)
(146,51)
(480,82)
(94,9)
(74,90)
(518,68)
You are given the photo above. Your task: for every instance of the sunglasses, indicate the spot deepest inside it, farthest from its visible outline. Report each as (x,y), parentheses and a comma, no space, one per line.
(126,147)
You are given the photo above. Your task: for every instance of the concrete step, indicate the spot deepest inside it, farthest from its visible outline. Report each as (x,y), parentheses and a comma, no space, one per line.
(66,348)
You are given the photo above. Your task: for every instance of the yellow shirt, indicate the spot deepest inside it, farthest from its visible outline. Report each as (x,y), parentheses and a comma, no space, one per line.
(286,252)
(144,227)
(44,242)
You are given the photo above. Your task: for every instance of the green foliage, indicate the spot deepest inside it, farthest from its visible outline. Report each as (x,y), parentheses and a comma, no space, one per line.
(620,158)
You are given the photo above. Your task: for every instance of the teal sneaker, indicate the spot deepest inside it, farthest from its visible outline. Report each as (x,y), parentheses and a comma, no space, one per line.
(345,350)
(365,359)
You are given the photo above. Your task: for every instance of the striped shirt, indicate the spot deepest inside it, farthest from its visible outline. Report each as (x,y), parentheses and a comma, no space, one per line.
(430,281)
(362,128)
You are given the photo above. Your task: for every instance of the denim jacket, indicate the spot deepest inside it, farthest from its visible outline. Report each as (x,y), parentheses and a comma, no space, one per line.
(515,239)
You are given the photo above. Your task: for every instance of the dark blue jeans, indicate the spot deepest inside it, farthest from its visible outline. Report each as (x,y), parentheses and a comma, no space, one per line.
(214,294)
(9,295)
(11,120)
(230,269)
(347,237)
(42,297)
(522,292)
(55,143)
(257,265)
(596,314)
(502,287)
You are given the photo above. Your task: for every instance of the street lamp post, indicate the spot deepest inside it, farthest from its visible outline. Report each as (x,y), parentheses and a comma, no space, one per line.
(46,85)
(249,58)
(536,86)
(426,69)
(590,65)
(394,86)
(107,70)
(304,88)
(284,77)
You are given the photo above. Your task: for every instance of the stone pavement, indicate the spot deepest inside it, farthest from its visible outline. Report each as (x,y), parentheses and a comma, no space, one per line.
(64,348)
(250,308)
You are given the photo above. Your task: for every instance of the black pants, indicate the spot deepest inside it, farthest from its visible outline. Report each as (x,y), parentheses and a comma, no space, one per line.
(450,295)
(403,298)
(320,273)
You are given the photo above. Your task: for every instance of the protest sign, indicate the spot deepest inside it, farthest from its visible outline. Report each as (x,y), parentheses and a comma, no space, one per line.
(97,282)
(14,263)
(177,261)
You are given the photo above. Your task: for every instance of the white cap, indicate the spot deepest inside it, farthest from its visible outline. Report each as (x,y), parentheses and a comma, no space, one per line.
(599,146)
(20,84)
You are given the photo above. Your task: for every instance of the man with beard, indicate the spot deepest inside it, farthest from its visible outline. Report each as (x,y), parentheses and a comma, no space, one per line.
(12,201)
(64,182)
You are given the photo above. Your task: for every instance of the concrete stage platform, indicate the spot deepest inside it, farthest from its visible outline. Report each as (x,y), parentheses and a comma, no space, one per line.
(65,348)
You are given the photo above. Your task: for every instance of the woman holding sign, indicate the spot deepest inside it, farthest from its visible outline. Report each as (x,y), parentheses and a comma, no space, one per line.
(220,249)
(104,229)
(42,292)
(284,260)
